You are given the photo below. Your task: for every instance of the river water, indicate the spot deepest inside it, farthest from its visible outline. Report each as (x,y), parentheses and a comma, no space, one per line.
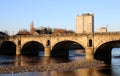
(110,70)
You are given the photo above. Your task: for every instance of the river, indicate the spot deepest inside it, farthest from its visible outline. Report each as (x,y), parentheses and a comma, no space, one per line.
(111,70)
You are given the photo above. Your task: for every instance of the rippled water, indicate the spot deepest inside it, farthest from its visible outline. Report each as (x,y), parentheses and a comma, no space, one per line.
(111,70)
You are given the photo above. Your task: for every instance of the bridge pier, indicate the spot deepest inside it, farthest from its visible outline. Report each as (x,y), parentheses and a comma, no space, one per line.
(18,50)
(47,51)
(90,53)
(18,63)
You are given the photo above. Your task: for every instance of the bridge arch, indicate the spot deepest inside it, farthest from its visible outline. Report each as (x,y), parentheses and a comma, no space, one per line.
(32,48)
(8,47)
(103,51)
(62,48)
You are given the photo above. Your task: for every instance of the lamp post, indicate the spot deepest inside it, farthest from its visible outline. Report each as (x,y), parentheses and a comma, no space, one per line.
(106,28)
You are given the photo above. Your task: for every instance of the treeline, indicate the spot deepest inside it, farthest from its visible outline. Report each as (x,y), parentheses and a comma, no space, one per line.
(44,30)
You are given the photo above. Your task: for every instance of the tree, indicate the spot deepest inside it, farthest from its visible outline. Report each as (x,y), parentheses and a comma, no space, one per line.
(3,34)
(49,30)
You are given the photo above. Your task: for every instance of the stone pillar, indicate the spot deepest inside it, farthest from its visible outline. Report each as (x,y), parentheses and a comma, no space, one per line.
(47,51)
(18,50)
(90,53)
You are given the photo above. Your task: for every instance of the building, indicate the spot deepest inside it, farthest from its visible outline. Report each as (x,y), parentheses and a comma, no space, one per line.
(23,32)
(102,29)
(85,23)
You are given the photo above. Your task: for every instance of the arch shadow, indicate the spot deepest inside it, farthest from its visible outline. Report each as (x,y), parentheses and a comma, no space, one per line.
(8,48)
(33,48)
(104,51)
(63,48)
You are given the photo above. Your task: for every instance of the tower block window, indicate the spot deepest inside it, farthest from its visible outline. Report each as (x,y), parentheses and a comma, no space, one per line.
(90,43)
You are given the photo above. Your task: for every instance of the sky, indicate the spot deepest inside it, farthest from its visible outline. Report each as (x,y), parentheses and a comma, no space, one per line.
(18,14)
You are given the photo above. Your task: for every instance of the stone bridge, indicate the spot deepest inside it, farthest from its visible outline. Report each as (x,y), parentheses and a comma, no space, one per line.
(96,45)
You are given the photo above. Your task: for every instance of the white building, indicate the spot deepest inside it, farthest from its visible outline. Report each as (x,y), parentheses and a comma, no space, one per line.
(85,23)
(102,29)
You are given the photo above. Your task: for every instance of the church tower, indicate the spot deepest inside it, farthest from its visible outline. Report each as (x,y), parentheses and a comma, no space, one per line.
(32,29)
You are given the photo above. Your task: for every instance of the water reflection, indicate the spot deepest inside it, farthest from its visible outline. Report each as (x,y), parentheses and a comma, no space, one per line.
(110,70)
(115,66)
(30,60)
(20,60)
(41,60)
(7,60)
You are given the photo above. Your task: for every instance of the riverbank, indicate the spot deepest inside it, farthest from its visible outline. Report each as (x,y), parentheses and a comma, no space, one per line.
(52,67)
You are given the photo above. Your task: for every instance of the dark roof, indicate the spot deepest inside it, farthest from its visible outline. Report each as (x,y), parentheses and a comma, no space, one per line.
(38,31)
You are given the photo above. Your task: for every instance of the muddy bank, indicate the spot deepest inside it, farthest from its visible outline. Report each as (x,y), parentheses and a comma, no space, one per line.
(52,67)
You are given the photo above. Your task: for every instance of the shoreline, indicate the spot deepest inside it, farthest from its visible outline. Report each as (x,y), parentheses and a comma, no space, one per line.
(52,67)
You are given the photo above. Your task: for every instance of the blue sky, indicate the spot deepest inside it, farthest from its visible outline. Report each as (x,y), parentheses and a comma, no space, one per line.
(18,14)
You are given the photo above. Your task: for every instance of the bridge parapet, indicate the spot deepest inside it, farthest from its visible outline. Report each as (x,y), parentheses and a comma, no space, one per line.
(69,34)
(49,35)
(108,33)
